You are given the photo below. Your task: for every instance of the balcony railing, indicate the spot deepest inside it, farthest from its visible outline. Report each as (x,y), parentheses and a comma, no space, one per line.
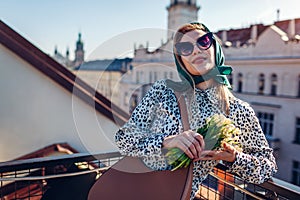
(72,176)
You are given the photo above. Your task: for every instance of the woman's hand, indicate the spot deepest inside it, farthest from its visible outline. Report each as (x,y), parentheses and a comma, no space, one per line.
(227,154)
(190,142)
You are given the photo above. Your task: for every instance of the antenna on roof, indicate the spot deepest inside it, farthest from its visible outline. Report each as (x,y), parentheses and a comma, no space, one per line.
(278,14)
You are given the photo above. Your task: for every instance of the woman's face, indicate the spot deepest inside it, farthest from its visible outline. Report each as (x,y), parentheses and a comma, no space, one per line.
(199,62)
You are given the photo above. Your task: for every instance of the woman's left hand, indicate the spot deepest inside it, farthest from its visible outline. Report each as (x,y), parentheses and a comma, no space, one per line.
(228,153)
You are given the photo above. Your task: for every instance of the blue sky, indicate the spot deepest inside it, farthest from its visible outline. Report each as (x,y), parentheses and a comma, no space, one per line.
(116,25)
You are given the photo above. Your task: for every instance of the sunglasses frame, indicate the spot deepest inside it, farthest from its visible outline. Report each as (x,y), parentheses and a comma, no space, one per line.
(197,43)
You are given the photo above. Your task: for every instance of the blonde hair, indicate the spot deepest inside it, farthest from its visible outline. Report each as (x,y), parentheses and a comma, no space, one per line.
(224,95)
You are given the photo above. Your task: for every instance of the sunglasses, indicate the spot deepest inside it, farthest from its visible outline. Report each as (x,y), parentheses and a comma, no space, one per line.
(186,48)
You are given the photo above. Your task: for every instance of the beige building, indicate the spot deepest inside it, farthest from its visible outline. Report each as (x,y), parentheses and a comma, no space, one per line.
(43,103)
(104,76)
(266,63)
(150,66)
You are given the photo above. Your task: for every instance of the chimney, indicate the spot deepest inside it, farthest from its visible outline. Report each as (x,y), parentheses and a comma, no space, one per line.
(291,29)
(254,33)
(224,36)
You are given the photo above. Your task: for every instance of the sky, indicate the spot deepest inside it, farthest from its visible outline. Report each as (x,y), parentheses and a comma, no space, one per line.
(111,29)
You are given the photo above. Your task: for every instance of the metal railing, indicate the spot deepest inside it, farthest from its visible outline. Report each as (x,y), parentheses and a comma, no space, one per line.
(37,178)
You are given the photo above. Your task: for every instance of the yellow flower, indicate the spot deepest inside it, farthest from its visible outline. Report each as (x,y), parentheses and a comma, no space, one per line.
(217,131)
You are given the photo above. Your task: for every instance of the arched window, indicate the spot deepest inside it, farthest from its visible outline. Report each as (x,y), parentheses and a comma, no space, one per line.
(240,82)
(261,84)
(273,84)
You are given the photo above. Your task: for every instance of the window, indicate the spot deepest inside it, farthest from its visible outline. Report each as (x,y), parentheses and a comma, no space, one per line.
(273,84)
(240,82)
(297,132)
(266,121)
(165,75)
(126,99)
(261,84)
(133,103)
(296,173)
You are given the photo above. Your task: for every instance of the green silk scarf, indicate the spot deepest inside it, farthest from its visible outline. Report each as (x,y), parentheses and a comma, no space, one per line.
(218,73)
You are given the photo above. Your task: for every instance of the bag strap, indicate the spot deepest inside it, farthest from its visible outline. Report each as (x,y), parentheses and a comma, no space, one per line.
(183,111)
(186,126)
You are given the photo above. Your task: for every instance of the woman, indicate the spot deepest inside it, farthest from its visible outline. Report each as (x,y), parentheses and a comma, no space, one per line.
(156,124)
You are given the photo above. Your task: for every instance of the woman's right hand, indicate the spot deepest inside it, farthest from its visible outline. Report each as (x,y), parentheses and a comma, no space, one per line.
(190,142)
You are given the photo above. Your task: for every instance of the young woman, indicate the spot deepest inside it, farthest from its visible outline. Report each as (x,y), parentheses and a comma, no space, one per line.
(156,123)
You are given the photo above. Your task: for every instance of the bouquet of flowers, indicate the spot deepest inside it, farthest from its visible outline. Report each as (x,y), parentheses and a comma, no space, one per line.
(217,130)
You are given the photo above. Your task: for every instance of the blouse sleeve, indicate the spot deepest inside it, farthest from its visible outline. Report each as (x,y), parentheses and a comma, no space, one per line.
(135,138)
(256,162)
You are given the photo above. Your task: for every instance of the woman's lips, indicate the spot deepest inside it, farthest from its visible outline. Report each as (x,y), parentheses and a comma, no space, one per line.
(199,60)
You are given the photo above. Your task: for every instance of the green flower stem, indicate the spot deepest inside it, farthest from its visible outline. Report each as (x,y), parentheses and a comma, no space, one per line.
(217,130)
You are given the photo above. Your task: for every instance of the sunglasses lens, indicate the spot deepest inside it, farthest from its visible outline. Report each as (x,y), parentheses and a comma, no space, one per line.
(187,48)
(205,41)
(184,48)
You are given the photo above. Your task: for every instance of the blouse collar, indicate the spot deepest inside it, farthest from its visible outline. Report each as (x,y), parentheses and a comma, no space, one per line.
(209,93)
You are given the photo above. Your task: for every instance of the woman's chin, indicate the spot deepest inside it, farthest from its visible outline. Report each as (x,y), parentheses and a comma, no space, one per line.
(200,72)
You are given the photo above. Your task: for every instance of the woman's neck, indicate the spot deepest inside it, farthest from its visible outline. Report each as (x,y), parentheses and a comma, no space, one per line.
(206,84)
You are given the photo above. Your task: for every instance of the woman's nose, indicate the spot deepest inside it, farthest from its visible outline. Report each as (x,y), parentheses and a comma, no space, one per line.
(196,50)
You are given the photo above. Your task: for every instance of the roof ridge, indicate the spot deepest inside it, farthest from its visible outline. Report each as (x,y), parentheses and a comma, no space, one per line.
(58,73)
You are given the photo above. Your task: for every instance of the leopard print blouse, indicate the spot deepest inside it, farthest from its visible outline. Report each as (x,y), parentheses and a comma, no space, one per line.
(157,116)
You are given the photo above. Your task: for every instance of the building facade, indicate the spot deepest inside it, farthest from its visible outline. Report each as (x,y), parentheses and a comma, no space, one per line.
(266,63)
(150,66)
(104,76)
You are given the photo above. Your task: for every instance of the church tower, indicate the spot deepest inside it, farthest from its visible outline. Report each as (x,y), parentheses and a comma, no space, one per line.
(180,12)
(79,52)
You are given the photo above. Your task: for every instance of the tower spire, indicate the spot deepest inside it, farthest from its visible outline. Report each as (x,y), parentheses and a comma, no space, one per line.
(181,12)
(79,52)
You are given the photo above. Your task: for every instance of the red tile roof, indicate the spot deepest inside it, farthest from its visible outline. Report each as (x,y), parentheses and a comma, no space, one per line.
(297,26)
(236,35)
(244,34)
(49,67)
(284,25)
(48,150)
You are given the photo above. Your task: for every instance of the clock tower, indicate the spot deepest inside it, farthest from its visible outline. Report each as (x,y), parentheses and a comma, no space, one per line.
(181,12)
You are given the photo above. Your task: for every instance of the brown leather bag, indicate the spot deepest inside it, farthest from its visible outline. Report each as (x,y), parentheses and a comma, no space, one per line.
(130,179)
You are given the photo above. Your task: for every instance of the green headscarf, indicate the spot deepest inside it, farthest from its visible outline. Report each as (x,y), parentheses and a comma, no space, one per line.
(218,73)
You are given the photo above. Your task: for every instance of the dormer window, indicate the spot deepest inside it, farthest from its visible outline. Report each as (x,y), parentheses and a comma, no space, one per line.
(240,82)
(261,84)
(273,84)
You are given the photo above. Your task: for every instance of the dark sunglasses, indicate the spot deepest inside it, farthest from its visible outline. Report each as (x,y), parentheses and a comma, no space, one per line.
(186,48)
